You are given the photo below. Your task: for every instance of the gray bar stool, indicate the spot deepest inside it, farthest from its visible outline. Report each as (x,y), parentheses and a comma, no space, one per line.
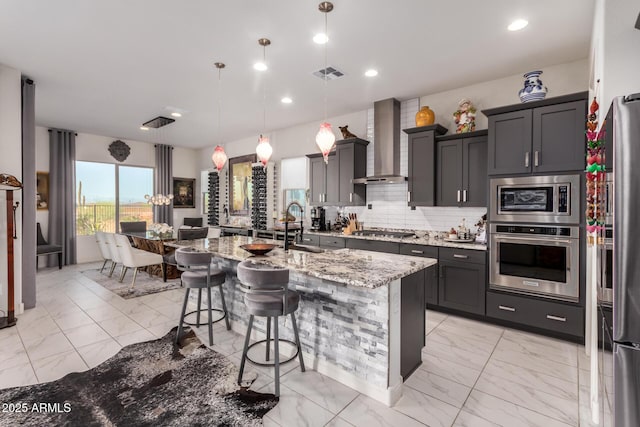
(198,274)
(267,294)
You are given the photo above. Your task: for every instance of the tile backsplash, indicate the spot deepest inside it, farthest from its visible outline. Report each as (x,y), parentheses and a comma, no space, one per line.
(389,201)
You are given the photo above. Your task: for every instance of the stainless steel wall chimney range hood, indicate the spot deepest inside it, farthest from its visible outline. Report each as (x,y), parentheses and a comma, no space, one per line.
(386,144)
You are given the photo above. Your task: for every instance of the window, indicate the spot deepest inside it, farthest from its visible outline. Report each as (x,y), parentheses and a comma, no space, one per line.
(108,194)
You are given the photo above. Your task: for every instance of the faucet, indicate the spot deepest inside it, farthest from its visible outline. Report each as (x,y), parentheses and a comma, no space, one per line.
(286,223)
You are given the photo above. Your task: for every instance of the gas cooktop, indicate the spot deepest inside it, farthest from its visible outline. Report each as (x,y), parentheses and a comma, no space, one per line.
(381,233)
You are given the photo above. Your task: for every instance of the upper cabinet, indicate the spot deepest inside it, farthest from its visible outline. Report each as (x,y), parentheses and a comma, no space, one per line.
(331,183)
(461,170)
(538,137)
(422,161)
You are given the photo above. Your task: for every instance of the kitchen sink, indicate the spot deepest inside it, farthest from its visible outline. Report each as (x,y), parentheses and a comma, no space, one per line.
(305,248)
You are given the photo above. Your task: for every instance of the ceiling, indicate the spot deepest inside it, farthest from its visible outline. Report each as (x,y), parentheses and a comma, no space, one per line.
(107,66)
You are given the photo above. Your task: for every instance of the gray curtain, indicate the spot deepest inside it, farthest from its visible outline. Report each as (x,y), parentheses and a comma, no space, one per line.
(62,194)
(163,184)
(28,206)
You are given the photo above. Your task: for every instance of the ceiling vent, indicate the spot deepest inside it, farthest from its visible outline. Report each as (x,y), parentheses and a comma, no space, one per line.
(330,72)
(158,122)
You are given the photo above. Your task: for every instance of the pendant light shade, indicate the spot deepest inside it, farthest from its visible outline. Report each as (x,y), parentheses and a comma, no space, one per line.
(264,150)
(325,140)
(219,157)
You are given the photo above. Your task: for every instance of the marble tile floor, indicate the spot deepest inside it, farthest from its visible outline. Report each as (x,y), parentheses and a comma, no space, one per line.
(473,373)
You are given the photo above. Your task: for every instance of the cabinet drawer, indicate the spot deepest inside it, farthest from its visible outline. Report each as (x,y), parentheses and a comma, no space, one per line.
(465,255)
(419,250)
(548,315)
(310,239)
(331,242)
(373,245)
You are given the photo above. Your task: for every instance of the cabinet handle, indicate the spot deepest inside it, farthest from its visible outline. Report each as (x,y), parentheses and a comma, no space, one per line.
(415,251)
(350,197)
(458,197)
(320,198)
(408,196)
(535,158)
(464,196)
(460,256)
(506,308)
(556,318)
(526,159)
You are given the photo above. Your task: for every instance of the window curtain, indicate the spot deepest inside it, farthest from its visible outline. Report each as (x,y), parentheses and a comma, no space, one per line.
(163,184)
(62,194)
(28,207)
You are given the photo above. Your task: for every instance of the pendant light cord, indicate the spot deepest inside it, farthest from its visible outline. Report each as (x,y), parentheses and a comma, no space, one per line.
(219,103)
(325,66)
(264,93)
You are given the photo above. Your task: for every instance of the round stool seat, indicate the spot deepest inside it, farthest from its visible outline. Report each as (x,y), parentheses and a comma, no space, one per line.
(271,305)
(198,278)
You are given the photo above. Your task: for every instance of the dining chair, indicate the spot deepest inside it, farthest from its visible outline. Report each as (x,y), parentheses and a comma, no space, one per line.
(104,248)
(134,258)
(44,248)
(110,241)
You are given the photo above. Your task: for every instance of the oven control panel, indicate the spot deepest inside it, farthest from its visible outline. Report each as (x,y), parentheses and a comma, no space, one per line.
(533,229)
(563,199)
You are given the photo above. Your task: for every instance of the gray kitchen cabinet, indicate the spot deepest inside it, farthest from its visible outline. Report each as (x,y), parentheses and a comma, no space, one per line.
(352,163)
(412,322)
(559,137)
(422,160)
(331,242)
(310,239)
(550,315)
(430,274)
(461,170)
(330,183)
(373,245)
(538,137)
(462,281)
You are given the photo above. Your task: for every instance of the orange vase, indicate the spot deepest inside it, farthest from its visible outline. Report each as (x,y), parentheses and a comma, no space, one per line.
(425,117)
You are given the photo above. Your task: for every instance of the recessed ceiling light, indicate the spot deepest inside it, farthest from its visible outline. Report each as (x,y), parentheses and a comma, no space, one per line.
(371,73)
(175,114)
(144,128)
(320,38)
(260,66)
(518,24)
(286,100)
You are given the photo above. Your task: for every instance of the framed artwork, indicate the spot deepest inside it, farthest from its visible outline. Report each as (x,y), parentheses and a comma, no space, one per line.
(240,184)
(42,191)
(183,192)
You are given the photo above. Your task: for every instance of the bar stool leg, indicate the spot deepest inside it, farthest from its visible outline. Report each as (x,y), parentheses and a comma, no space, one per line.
(198,312)
(224,308)
(184,310)
(245,349)
(268,336)
(276,356)
(295,332)
(210,317)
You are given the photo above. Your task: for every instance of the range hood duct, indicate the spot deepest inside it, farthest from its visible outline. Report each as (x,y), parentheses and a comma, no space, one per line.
(386,144)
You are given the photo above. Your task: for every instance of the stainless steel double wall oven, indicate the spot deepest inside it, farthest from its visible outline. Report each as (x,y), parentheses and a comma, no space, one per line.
(534,239)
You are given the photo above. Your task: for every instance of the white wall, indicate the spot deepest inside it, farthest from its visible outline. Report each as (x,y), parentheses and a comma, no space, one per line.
(389,206)
(11,163)
(620,51)
(95,148)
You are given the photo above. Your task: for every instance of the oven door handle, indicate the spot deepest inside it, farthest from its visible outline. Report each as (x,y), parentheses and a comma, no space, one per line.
(549,239)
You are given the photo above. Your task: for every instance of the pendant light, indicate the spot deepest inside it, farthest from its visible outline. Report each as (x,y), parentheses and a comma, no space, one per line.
(325,137)
(219,157)
(264,149)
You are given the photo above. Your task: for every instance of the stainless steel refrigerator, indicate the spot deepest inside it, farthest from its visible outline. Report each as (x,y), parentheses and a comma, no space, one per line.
(626,253)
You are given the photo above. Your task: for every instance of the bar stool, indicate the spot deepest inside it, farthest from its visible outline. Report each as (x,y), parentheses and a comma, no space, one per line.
(267,294)
(198,274)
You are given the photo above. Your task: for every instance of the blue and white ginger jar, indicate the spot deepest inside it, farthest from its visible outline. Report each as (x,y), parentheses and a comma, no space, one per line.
(533,89)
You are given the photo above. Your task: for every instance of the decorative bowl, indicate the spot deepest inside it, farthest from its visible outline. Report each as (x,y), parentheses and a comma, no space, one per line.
(258,248)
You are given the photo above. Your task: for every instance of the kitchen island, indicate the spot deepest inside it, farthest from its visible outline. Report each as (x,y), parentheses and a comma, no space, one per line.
(352,305)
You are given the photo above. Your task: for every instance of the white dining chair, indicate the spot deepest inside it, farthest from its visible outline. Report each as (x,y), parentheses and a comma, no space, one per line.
(104,248)
(110,240)
(134,258)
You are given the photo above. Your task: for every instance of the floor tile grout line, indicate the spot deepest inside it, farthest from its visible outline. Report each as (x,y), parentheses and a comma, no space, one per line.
(345,407)
(477,379)
(24,347)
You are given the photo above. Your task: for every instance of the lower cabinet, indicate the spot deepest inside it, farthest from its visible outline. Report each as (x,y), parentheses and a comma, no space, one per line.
(462,283)
(310,239)
(374,245)
(550,315)
(330,242)
(431,274)
(412,322)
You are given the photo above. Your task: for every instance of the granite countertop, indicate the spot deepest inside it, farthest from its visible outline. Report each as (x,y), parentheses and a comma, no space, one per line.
(431,238)
(350,267)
